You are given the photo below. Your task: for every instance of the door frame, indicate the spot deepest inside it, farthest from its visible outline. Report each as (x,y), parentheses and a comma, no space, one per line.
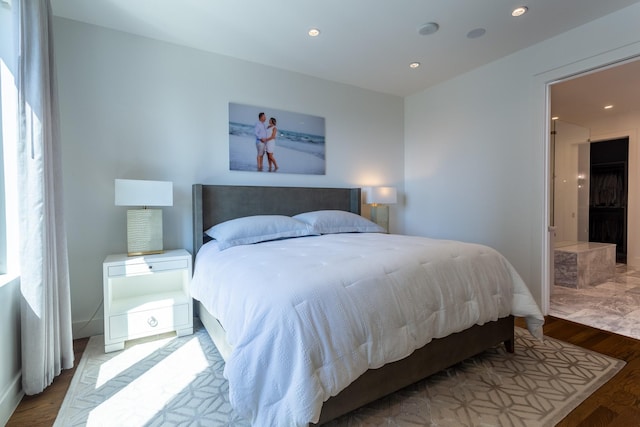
(546,80)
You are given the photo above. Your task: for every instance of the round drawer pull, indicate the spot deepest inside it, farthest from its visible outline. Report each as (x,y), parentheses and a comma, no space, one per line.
(152,321)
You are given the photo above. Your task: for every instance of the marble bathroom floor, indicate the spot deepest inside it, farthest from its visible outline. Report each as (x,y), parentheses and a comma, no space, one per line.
(613,306)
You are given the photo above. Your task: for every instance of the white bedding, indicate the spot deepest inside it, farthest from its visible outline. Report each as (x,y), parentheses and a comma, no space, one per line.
(307,316)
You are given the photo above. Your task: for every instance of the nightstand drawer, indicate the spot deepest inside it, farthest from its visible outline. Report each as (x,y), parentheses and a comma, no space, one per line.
(148,322)
(150,267)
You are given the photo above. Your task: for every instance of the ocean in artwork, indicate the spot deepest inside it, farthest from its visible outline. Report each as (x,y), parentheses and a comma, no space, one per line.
(295,152)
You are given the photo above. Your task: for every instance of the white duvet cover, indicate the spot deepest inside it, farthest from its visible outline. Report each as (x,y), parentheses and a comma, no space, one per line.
(307,316)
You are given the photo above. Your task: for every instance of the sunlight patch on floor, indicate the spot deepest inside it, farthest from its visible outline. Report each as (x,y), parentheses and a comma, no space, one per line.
(128,358)
(137,402)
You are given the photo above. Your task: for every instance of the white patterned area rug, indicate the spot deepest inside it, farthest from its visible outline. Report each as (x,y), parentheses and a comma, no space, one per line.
(178,381)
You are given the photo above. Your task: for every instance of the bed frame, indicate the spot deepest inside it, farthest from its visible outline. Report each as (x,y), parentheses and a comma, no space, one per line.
(213,204)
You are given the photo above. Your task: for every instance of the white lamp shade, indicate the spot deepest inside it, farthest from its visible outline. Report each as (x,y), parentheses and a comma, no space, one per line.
(381,195)
(135,192)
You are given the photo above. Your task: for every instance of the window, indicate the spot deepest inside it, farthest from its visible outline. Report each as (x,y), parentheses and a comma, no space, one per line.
(8,142)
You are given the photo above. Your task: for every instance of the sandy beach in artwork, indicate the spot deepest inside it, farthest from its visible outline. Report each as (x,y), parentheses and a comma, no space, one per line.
(303,159)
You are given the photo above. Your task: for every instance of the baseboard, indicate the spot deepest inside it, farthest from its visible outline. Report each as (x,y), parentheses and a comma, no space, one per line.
(89,328)
(634,262)
(11,399)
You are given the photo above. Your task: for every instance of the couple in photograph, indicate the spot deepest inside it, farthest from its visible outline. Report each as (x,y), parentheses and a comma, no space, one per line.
(266,141)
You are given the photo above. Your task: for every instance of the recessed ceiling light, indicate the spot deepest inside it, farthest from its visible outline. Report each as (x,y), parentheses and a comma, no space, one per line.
(608,107)
(414,65)
(314,32)
(519,11)
(428,28)
(474,34)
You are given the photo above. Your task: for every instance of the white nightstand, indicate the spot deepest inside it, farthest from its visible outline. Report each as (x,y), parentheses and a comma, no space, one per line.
(146,295)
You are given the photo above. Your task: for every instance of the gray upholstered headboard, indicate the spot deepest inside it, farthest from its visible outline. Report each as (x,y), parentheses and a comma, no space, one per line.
(213,204)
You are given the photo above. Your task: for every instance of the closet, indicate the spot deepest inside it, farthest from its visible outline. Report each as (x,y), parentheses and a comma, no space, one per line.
(608,185)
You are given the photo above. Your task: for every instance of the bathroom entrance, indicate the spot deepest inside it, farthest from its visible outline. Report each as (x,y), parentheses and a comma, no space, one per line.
(590,209)
(597,201)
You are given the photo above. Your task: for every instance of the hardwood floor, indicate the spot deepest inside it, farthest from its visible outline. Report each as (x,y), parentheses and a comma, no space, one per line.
(615,404)
(41,409)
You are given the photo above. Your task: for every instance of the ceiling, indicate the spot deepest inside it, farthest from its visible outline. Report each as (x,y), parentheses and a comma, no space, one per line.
(365,43)
(581,100)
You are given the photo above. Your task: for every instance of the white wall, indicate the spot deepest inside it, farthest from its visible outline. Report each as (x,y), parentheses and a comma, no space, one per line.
(137,108)
(476,153)
(10,355)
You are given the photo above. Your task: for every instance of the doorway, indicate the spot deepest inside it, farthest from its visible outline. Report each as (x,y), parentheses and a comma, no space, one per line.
(583,210)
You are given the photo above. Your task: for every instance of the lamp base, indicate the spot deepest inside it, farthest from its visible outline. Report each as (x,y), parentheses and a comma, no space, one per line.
(144,232)
(380,215)
(161,251)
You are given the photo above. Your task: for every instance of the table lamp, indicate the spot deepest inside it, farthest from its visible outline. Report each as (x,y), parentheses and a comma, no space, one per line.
(144,225)
(379,198)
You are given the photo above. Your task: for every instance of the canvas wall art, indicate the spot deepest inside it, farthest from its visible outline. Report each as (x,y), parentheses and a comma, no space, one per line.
(278,142)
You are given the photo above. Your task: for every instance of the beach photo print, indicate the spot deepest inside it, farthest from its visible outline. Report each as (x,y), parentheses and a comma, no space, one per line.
(263,139)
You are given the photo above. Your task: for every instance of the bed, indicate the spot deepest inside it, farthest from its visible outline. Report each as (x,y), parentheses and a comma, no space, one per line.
(213,204)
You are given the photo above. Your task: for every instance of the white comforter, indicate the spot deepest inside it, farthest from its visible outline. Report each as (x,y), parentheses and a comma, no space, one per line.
(307,316)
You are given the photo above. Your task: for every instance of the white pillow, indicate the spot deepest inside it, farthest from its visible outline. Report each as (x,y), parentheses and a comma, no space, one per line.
(335,221)
(257,228)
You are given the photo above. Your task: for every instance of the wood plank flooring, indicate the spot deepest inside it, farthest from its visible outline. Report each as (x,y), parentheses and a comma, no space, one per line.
(42,409)
(615,404)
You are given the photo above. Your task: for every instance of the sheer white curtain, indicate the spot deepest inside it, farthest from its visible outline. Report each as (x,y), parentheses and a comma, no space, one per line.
(47,344)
